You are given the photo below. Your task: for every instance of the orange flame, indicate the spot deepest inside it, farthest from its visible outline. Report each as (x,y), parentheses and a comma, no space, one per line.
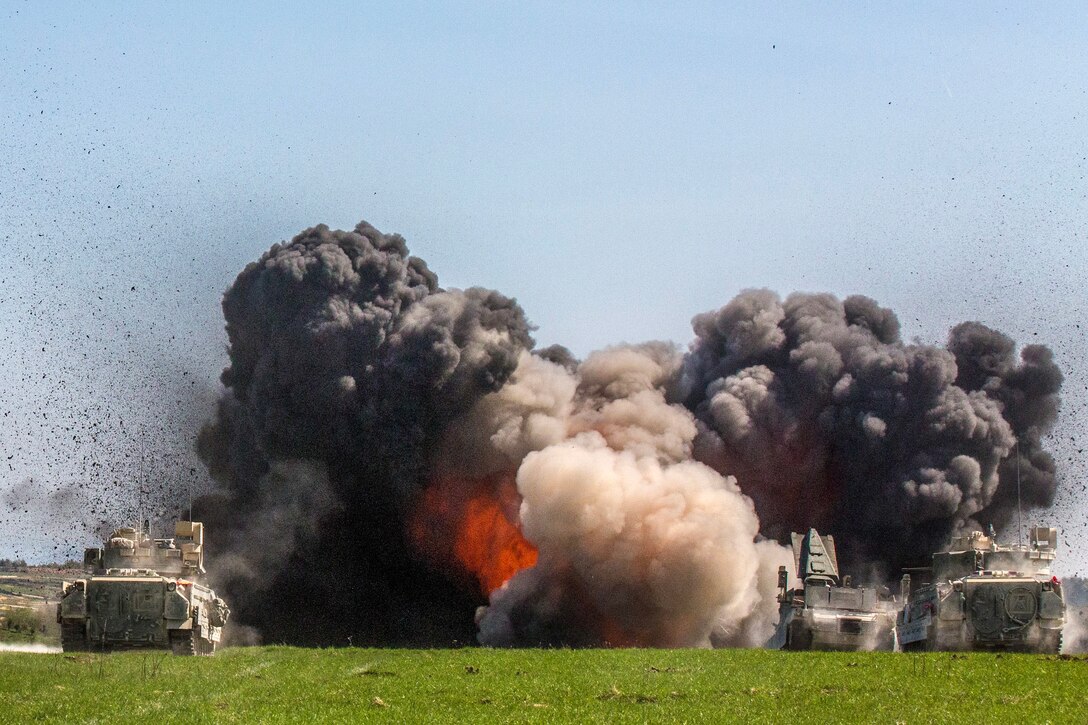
(472,524)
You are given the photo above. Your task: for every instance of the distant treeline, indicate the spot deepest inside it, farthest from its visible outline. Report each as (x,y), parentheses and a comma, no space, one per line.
(19,565)
(69,564)
(22,620)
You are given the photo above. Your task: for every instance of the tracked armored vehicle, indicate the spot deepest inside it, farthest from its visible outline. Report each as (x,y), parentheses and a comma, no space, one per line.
(826,612)
(982,596)
(143,593)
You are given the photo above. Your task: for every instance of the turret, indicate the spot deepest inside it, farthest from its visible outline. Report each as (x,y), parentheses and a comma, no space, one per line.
(815,557)
(190,537)
(825,610)
(130,549)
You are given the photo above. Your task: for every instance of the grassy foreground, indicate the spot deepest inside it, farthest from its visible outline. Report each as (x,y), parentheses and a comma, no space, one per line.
(282,684)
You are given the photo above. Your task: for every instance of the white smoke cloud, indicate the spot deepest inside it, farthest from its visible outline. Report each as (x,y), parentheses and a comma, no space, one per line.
(638,543)
(532,411)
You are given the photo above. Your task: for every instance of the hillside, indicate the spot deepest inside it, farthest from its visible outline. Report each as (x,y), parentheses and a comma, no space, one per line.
(27,596)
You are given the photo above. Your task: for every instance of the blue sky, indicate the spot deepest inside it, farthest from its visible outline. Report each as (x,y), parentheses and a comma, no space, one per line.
(616,167)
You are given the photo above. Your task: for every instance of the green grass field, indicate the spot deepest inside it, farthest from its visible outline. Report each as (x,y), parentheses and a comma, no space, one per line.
(282,684)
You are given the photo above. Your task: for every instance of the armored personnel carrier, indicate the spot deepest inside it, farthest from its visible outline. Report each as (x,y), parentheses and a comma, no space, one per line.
(826,612)
(980,595)
(141,592)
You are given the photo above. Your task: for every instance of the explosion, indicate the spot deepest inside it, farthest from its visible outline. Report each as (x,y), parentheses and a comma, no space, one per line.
(829,420)
(481,520)
(393,456)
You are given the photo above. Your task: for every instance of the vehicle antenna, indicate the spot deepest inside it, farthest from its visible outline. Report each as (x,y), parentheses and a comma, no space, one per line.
(1019,510)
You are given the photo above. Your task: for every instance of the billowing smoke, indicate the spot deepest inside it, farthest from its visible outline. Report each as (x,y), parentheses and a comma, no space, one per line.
(638,543)
(828,419)
(393,457)
(347,364)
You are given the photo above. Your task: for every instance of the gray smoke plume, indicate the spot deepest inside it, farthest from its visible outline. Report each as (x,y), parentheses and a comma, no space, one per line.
(391,455)
(828,419)
(345,358)
(1028,391)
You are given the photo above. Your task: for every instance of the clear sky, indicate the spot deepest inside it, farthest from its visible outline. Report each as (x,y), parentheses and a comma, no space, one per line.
(617,168)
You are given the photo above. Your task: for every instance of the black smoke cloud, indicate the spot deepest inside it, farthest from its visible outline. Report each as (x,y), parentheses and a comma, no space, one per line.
(345,354)
(829,419)
(357,386)
(1028,391)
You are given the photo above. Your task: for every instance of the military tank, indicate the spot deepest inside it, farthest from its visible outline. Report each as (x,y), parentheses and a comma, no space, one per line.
(827,612)
(143,593)
(979,595)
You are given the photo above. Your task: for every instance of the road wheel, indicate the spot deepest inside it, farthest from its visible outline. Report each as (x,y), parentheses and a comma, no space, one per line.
(798,637)
(1050,642)
(73,637)
(205,647)
(182,642)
